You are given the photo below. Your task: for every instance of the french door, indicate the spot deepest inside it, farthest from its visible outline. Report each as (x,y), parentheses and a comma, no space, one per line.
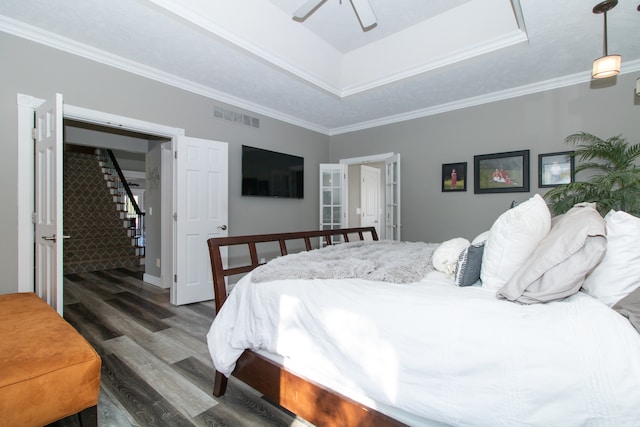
(333,197)
(333,193)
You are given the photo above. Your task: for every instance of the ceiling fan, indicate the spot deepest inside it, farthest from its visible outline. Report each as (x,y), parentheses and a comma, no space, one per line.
(363,10)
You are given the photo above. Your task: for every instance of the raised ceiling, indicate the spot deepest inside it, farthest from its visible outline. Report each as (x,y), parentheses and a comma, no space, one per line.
(326,74)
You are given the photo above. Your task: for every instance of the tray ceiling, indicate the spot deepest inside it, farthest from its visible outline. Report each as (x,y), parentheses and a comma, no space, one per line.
(326,74)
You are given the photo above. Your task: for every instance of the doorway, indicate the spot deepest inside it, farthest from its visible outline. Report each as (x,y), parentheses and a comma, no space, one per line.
(370,210)
(133,153)
(214,166)
(388,165)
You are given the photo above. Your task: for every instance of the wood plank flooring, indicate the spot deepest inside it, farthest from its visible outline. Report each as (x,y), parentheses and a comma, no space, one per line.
(156,369)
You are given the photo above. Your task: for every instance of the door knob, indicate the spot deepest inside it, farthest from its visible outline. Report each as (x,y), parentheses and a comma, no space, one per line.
(54,238)
(222,227)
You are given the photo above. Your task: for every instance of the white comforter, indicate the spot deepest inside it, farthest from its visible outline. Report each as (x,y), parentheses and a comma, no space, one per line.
(454,355)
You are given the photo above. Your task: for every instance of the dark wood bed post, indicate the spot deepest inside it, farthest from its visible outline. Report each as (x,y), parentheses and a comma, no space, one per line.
(311,401)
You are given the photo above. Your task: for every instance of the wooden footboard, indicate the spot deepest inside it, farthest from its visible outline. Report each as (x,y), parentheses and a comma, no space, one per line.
(311,401)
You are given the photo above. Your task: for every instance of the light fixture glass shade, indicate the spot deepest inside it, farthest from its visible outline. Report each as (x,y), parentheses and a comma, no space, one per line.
(606,66)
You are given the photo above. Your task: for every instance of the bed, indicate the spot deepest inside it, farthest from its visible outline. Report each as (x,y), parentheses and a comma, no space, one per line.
(542,347)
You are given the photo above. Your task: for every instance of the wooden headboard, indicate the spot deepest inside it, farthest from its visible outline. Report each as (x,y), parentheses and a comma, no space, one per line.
(311,401)
(220,272)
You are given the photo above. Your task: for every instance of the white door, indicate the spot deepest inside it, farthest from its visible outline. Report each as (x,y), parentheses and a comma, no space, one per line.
(370,197)
(333,197)
(48,202)
(201,212)
(392,198)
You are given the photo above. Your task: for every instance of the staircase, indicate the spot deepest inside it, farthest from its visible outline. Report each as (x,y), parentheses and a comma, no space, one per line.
(102,236)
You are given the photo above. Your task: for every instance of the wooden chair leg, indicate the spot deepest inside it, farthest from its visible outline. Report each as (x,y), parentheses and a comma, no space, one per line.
(89,417)
(219,384)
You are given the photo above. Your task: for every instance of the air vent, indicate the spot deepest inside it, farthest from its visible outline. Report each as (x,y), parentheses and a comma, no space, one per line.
(236,117)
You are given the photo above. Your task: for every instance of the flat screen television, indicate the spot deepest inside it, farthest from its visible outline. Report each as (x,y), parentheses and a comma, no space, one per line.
(271,174)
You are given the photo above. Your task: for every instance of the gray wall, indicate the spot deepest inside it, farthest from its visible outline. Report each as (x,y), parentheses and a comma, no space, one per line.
(353,219)
(33,69)
(153,211)
(537,122)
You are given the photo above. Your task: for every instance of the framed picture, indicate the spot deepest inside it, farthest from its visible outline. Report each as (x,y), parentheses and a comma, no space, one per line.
(555,169)
(501,172)
(454,176)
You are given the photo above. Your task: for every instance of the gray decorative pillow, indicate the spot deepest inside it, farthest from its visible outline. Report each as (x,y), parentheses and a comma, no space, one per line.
(629,307)
(469,265)
(557,268)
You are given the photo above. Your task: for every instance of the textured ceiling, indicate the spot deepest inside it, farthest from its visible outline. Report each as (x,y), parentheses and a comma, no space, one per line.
(325,73)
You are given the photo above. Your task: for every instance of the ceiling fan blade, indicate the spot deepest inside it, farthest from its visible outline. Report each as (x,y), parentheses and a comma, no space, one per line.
(306,9)
(365,13)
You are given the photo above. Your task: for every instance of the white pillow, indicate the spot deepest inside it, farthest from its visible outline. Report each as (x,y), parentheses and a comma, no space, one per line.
(480,238)
(445,257)
(557,268)
(618,274)
(512,239)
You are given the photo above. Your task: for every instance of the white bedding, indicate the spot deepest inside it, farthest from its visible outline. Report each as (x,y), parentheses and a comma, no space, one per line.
(439,352)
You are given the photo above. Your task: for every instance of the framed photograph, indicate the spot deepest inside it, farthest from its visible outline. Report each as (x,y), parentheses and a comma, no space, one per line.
(454,176)
(501,172)
(555,169)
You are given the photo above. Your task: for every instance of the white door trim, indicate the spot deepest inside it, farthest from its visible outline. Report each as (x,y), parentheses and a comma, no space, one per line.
(372,159)
(26,108)
(366,159)
(166,206)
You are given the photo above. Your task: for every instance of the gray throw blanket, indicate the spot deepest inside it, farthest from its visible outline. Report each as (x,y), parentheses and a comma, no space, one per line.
(384,260)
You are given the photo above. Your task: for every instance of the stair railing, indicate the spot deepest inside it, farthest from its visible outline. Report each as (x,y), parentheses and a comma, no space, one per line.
(139,220)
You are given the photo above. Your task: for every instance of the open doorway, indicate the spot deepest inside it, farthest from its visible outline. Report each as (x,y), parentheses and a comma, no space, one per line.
(341,199)
(134,242)
(378,197)
(366,192)
(195,207)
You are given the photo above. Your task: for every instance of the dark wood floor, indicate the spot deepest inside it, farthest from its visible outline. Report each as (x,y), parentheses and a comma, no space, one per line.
(156,369)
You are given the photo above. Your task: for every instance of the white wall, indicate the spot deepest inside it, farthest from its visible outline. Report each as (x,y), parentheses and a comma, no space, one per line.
(538,122)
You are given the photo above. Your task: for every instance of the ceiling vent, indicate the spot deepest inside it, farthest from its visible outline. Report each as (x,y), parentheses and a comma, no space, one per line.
(236,117)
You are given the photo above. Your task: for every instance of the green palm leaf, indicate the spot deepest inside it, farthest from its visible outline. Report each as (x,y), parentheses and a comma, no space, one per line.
(613,177)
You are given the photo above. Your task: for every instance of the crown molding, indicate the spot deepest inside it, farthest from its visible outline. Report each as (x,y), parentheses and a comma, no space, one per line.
(557,83)
(510,39)
(64,44)
(38,35)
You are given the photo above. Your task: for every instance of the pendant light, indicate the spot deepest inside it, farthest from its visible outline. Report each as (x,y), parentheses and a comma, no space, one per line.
(607,65)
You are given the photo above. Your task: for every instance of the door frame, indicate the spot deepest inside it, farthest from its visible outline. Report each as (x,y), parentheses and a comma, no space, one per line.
(27,105)
(375,158)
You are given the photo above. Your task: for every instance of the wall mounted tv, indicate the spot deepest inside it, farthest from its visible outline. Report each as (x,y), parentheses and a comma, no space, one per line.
(271,174)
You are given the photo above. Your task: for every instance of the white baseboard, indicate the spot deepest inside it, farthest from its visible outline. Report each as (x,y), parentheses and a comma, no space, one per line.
(152,280)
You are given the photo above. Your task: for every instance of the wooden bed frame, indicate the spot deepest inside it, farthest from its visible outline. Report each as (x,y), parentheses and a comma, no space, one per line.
(313,402)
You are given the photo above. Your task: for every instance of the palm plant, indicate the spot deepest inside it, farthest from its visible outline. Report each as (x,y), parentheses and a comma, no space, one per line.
(613,176)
